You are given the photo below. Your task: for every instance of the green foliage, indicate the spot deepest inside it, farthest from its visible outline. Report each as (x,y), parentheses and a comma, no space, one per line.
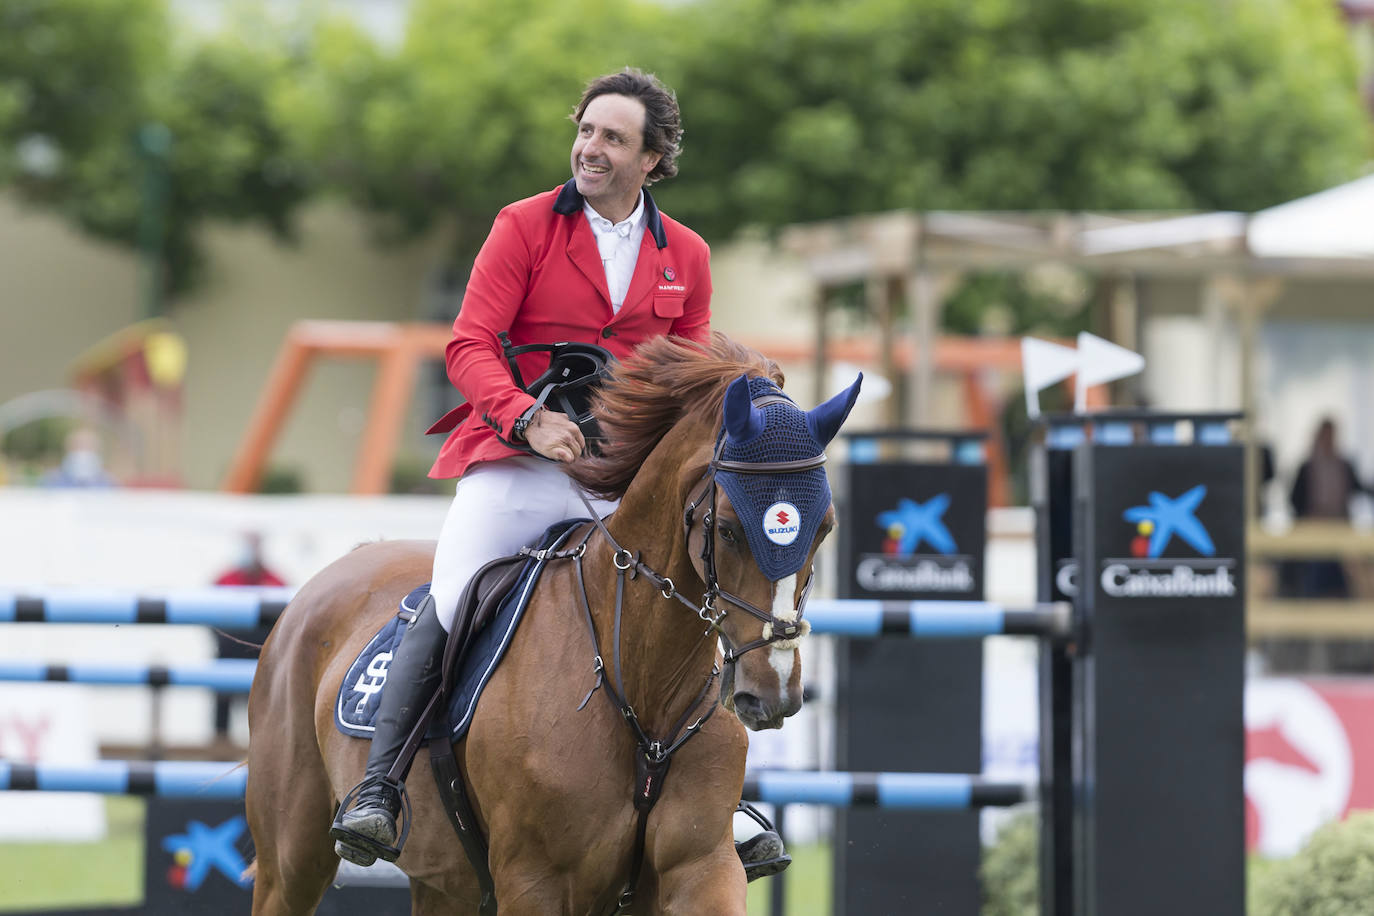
(229,158)
(872,105)
(1009,869)
(1048,299)
(72,76)
(41,441)
(410,475)
(279,480)
(469,115)
(794,109)
(135,140)
(1332,876)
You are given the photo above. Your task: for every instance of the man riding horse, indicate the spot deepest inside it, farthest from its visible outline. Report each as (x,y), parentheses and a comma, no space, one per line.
(593,262)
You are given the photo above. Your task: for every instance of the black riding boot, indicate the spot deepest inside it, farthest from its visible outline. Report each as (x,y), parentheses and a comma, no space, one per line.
(367,831)
(762,854)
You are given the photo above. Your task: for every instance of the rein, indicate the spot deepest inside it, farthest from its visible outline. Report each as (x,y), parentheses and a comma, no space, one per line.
(654,755)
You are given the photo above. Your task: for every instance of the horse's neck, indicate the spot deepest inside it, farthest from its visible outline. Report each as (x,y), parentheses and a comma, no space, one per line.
(664,655)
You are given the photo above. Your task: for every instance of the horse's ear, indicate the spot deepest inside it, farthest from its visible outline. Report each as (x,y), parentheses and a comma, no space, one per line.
(826,419)
(743,421)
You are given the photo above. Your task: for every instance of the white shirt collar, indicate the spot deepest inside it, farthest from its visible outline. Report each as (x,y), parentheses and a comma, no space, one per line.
(623,228)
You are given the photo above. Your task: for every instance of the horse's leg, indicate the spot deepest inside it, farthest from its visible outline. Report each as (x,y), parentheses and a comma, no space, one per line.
(692,842)
(713,885)
(429,901)
(288,797)
(289,819)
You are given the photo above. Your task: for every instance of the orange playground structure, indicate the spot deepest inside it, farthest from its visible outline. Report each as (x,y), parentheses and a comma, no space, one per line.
(399,349)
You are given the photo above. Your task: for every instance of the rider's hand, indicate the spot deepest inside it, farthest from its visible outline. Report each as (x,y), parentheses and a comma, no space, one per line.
(553,435)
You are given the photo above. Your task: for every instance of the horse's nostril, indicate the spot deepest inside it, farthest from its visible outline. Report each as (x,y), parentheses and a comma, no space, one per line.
(748,705)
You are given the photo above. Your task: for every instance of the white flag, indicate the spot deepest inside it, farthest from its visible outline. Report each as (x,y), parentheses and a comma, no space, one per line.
(1043,363)
(1101,361)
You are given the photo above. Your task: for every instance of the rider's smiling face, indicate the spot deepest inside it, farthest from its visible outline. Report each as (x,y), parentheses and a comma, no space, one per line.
(609,159)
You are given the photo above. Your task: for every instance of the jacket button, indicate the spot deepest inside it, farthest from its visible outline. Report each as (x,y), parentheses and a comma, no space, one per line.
(607,332)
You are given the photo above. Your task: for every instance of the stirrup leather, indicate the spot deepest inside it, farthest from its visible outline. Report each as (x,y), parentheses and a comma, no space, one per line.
(366,844)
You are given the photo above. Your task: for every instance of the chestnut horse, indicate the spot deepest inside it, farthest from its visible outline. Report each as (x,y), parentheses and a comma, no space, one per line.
(553,784)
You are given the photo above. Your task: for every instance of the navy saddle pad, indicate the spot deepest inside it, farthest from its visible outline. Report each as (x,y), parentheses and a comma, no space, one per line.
(360,693)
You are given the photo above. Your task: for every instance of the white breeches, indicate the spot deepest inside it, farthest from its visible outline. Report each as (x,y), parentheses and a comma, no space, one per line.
(499,507)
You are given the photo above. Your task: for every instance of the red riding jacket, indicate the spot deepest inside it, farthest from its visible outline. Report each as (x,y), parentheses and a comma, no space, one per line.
(539,276)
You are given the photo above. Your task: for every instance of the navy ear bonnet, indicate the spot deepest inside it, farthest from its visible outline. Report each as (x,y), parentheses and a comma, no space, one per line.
(780,512)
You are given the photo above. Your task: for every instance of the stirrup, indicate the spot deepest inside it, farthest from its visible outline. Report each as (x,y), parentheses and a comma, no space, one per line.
(365,844)
(759,817)
(774,857)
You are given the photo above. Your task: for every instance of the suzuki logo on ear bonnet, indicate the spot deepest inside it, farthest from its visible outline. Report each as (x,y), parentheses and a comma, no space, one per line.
(780,509)
(782,523)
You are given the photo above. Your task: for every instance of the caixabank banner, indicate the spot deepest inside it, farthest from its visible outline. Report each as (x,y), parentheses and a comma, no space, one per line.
(195,856)
(195,861)
(1167,524)
(1159,695)
(909,531)
(915,531)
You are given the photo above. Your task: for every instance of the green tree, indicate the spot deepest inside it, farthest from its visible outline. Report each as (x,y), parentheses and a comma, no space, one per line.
(470,114)
(73,73)
(229,158)
(794,109)
(83,82)
(809,109)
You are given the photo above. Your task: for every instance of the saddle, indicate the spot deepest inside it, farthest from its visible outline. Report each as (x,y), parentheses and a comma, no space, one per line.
(488,613)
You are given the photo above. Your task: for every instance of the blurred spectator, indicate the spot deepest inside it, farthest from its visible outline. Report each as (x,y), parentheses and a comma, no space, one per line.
(1266,477)
(249,569)
(1322,490)
(82,465)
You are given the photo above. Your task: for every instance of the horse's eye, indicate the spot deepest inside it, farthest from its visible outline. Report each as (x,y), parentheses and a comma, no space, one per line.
(727,534)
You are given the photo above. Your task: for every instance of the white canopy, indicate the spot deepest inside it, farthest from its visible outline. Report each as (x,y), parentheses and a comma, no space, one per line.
(1335,223)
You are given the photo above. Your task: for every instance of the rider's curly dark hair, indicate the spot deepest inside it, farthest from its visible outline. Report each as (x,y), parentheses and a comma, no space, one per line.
(662,119)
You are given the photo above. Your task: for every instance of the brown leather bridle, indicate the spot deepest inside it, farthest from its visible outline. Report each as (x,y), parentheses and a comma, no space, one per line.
(775,629)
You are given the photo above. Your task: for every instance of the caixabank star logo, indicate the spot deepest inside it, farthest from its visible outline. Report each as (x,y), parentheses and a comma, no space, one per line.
(1172,554)
(902,566)
(203,850)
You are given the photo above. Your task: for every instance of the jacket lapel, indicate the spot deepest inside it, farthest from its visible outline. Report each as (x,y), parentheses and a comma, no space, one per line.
(646,271)
(583,252)
(648,264)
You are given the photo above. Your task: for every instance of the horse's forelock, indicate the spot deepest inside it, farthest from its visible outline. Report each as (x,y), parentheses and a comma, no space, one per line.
(667,380)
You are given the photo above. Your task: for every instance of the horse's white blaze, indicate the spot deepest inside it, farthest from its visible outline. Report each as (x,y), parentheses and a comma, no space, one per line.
(785,609)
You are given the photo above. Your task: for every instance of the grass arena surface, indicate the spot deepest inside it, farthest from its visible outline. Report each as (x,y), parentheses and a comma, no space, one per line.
(39,876)
(35,876)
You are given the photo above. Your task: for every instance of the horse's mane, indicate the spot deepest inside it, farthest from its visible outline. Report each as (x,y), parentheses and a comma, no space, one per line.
(664,381)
